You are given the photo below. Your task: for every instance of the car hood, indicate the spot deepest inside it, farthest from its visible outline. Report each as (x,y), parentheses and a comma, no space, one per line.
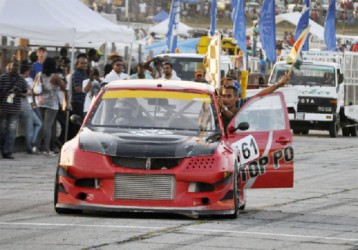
(149,143)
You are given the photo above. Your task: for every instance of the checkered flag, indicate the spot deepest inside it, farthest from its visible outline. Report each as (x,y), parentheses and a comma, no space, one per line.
(211,62)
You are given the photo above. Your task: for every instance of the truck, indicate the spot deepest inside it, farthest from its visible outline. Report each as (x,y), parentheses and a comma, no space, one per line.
(186,64)
(327,91)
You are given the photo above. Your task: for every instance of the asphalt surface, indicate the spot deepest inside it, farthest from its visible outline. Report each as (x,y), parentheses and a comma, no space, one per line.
(320,212)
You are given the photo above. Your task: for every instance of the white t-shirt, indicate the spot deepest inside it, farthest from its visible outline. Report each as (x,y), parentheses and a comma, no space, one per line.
(114,76)
(174,77)
(142,8)
(30,83)
(88,98)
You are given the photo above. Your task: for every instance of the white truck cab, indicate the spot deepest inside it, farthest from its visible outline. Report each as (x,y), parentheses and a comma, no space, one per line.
(185,64)
(327,89)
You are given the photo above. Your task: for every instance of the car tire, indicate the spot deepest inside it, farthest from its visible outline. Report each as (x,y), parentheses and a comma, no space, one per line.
(55,199)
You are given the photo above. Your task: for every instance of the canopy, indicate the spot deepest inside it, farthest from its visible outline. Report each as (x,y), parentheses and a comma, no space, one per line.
(161,16)
(162,28)
(185,46)
(294,17)
(58,20)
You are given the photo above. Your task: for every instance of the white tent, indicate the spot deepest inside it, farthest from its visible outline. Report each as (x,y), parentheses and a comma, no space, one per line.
(58,20)
(293,17)
(162,28)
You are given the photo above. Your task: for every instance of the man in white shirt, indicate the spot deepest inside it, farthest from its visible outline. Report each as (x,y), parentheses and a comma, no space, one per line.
(117,71)
(167,68)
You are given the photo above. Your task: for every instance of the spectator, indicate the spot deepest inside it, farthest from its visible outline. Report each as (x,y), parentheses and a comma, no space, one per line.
(48,102)
(168,72)
(117,71)
(91,87)
(37,66)
(12,88)
(28,115)
(199,76)
(140,73)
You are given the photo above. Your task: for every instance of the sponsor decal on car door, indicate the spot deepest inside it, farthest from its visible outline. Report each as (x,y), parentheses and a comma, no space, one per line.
(265,149)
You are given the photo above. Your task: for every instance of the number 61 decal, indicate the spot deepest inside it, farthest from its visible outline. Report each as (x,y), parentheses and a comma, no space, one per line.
(247,149)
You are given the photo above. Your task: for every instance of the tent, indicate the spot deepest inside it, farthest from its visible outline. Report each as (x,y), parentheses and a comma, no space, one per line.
(293,17)
(185,46)
(162,28)
(161,16)
(58,20)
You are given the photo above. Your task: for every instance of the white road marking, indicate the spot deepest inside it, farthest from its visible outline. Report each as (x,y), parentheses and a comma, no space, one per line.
(189,229)
(272,234)
(75,225)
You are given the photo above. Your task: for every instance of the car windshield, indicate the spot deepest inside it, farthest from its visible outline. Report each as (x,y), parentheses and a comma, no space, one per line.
(149,109)
(307,74)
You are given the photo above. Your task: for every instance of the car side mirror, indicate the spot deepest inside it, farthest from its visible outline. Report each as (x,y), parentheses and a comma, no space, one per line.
(76,119)
(340,78)
(242,126)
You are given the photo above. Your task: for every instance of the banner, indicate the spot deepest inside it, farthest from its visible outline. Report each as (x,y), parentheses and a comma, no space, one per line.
(239,23)
(212,62)
(172,35)
(267,29)
(330,27)
(303,23)
(214,7)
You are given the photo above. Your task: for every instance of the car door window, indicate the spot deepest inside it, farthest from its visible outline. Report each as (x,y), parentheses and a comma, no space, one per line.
(263,114)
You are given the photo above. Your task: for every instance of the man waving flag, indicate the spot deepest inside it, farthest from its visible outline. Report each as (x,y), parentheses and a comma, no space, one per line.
(173,25)
(303,23)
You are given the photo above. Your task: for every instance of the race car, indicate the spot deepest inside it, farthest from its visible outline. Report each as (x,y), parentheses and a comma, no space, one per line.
(160,146)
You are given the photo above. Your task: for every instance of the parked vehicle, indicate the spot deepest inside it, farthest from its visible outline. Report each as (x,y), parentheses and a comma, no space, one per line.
(186,64)
(160,146)
(327,85)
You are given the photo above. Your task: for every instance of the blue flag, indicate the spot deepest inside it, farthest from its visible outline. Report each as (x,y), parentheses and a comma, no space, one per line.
(267,29)
(239,23)
(330,27)
(303,23)
(214,7)
(173,26)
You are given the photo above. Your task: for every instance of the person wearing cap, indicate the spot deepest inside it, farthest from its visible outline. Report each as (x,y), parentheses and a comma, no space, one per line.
(41,54)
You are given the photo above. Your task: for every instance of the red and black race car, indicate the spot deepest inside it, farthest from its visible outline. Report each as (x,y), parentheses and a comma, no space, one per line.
(160,146)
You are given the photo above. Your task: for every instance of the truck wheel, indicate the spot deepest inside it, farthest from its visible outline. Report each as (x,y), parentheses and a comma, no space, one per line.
(353,130)
(333,129)
(296,131)
(346,131)
(305,131)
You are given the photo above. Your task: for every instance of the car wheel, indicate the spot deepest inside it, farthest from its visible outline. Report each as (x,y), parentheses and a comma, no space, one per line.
(55,200)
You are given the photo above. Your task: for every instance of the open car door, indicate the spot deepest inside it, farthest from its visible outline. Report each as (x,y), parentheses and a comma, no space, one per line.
(265,149)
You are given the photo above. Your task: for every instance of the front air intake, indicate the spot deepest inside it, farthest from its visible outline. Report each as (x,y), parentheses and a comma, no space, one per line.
(144,187)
